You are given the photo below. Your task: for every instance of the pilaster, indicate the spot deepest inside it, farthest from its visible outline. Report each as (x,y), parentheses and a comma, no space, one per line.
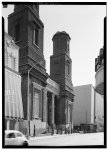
(53,96)
(8,124)
(45,105)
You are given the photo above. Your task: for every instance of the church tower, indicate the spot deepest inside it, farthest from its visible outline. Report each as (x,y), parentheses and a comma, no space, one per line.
(60,72)
(25,26)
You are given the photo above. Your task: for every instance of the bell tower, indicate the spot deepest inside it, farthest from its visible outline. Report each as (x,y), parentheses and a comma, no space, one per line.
(60,72)
(25,26)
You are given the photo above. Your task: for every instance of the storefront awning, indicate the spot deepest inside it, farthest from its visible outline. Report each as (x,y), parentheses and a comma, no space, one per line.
(13,98)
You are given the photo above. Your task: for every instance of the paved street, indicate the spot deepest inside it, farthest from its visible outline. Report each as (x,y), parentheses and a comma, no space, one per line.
(69,140)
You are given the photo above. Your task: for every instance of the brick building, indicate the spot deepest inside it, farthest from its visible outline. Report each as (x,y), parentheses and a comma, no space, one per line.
(60,72)
(48,100)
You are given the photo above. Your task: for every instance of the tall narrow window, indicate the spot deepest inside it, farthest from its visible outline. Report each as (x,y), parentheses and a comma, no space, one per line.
(68,47)
(36,104)
(17,32)
(36,36)
(12,62)
(6,58)
(68,68)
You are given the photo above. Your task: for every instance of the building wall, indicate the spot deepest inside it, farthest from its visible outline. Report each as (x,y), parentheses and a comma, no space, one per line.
(13,96)
(92,104)
(83,107)
(11,50)
(99,66)
(30,58)
(60,72)
(99,111)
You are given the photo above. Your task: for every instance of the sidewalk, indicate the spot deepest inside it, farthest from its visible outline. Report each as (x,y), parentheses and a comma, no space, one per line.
(47,136)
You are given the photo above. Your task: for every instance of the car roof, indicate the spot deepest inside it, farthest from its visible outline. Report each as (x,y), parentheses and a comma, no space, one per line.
(9,131)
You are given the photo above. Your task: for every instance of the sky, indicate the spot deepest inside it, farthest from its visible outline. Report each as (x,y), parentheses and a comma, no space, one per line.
(84,24)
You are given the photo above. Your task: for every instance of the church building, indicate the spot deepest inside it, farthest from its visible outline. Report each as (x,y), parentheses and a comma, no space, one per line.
(47,99)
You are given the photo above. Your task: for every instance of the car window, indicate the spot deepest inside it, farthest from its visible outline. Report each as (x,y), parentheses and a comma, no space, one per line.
(18,134)
(11,135)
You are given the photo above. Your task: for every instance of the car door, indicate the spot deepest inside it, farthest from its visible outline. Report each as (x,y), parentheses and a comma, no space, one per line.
(10,139)
(20,138)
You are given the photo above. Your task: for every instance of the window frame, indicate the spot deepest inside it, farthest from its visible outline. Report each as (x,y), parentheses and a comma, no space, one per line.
(14,61)
(69,111)
(68,47)
(17,135)
(15,32)
(36,27)
(68,68)
(35,115)
(6,58)
(10,137)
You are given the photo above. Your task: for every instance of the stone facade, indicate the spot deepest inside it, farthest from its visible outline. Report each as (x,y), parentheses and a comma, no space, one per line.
(48,100)
(27,29)
(60,72)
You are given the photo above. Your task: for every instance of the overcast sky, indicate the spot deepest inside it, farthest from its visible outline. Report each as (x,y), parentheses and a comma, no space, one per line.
(84,24)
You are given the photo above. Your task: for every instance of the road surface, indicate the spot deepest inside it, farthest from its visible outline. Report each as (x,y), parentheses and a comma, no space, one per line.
(69,140)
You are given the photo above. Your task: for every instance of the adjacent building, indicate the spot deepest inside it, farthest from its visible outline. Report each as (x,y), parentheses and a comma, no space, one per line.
(83,110)
(13,97)
(99,112)
(99,69)
(99,83)
(99,66)
(88,107)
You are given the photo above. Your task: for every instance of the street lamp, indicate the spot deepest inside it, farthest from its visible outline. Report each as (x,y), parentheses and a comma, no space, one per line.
(28,99)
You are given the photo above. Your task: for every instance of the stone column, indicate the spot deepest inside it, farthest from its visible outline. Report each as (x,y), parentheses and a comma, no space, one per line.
(45,105)
(72,118)
(16,125)
(53,121)
(8,123)
(53,96)
(66,107)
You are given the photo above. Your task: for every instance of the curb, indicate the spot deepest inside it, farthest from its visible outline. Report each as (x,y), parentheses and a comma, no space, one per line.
(44,137)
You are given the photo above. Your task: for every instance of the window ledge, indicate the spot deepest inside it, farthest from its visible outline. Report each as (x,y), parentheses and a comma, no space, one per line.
(17,41)
(36,45)
(36,118)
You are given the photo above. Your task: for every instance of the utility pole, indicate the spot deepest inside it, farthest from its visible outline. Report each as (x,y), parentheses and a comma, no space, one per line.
(28,105)
(28,115)
(86,121)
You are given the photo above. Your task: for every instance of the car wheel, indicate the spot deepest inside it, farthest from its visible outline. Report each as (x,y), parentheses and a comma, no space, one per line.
(25,143)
